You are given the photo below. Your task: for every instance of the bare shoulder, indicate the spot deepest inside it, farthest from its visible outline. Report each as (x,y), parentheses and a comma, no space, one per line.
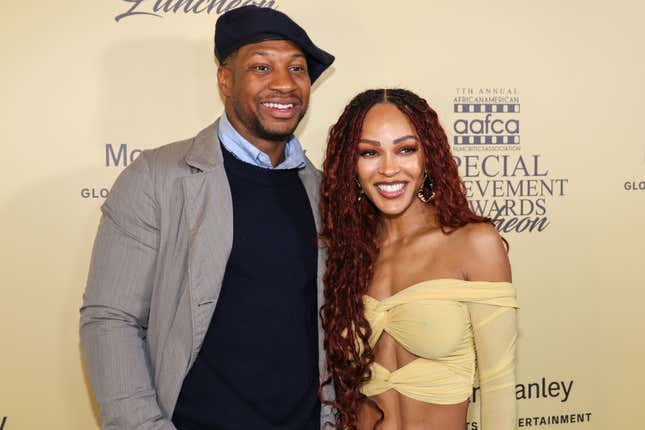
(484,254)
(480,238)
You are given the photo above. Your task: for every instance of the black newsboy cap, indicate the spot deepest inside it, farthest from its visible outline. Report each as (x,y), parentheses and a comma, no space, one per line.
(251,24)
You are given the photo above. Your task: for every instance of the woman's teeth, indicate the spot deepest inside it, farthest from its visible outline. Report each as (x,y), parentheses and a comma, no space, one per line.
(391,188)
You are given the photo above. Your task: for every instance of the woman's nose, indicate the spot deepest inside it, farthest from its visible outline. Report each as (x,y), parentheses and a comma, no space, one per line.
(389,165)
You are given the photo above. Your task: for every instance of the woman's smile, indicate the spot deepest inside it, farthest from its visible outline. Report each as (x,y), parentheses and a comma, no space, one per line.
(391,190)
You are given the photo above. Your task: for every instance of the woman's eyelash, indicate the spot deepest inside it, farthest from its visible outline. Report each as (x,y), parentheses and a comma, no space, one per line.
(409,149)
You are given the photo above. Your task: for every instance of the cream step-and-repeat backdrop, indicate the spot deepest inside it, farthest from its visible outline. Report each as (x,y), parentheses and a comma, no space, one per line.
(543,101)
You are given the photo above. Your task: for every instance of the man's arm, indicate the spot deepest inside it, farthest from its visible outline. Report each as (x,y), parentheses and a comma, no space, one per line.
(116,303)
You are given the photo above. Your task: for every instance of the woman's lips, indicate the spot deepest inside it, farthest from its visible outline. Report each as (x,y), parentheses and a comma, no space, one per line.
(391,190)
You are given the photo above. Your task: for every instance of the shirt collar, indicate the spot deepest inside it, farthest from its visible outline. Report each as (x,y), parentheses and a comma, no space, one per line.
(294,156)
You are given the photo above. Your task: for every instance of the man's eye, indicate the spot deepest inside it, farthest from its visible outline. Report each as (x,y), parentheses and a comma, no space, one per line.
(298,69)
(261,68)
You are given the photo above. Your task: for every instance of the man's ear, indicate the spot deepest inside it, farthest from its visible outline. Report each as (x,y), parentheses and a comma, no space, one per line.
(225,80)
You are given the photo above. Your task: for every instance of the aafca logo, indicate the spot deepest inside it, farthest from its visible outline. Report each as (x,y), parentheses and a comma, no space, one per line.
(512,187)
(486,119)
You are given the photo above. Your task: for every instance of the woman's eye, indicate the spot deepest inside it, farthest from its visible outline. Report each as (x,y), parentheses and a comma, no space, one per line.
(368,153)
(408,149)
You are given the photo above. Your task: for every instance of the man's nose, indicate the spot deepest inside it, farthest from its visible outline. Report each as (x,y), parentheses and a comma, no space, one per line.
(282,81)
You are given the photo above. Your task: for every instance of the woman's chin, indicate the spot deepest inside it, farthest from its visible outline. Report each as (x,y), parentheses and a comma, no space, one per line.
(392,209)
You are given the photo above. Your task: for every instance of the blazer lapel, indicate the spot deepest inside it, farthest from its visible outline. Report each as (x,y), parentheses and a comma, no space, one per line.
(311,181)
(209,216)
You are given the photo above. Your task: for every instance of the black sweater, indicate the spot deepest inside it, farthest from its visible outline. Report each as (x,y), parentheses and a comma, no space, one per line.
(258,366)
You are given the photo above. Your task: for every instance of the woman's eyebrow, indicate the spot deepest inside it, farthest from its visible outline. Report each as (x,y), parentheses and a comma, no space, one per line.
(406,137)
(370,141)
(395,141)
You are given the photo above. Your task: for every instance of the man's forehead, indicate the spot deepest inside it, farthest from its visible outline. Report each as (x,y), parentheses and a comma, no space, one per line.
(285,48)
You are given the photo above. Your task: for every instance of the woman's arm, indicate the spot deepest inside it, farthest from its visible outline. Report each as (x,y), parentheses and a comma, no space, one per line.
(494,329)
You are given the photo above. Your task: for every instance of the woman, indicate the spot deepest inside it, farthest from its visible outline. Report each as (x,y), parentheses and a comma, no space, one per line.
(420,282)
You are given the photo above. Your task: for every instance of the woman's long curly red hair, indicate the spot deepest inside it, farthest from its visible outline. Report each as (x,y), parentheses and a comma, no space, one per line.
(349,231)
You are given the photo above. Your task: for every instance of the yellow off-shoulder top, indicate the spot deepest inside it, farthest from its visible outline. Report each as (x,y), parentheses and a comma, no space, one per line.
(455,327)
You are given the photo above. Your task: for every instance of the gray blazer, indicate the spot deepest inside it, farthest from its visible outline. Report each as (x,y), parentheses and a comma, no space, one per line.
(156,272)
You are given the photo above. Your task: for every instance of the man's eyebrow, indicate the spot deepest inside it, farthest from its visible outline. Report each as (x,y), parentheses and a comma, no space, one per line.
(370,141)
(406,137)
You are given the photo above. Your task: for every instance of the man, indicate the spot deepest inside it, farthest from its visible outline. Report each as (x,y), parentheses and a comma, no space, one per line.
(200,310)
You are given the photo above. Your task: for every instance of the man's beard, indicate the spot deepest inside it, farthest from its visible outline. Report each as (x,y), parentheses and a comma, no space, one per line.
(258,129)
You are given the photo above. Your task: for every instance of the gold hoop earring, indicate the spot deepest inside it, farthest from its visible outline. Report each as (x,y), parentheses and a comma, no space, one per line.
(361,193)
(420,192)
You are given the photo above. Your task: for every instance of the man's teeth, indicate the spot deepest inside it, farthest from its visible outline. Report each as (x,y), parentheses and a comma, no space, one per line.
(391,188)
(278,105)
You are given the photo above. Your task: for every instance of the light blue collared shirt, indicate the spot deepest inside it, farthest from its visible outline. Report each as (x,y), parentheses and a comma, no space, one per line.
(243,150)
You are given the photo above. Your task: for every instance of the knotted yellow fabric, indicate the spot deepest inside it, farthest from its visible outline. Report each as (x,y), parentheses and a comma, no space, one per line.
(450,324)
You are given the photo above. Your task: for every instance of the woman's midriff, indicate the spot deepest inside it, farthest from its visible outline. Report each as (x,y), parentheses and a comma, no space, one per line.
(401,412)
